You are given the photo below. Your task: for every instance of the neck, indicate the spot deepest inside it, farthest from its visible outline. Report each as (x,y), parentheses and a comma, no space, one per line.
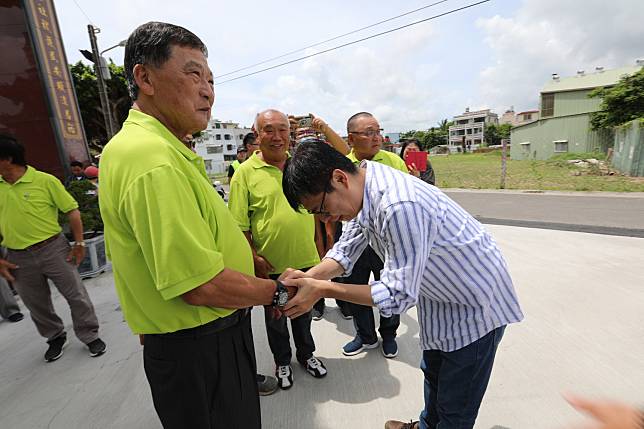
(360,156)
(14,173)
(150,109)
(275,163)
(358,196)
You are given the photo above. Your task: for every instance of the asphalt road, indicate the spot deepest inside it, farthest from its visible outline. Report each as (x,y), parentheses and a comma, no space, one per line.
(594,212)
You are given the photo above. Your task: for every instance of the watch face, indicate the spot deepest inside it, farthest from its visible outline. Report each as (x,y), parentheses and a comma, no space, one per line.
(282,299)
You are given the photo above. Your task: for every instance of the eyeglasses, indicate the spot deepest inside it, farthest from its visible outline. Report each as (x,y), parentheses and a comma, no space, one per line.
(320,210)
(368,133)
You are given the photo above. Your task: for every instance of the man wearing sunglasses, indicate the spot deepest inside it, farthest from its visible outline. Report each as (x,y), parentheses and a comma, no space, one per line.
(365,137)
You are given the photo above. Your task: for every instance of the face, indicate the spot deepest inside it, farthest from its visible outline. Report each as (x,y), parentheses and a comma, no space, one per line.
(365,137)
(273,135)
(5,165)
(76,170)
(252,147)
(411,147)
(181,90)
(338,205)
(241,156)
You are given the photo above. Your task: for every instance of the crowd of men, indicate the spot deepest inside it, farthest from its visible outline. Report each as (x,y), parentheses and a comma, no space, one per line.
(188,268)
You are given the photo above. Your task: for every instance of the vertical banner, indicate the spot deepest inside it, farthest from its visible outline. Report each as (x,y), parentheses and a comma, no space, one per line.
(57,81)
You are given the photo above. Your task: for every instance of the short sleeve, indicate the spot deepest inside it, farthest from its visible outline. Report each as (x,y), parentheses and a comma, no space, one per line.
(177,242)
(61,198)
(238,200)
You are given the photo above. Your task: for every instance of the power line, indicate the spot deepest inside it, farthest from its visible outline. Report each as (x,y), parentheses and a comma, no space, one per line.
(83,12)
(355,41)
(331,39)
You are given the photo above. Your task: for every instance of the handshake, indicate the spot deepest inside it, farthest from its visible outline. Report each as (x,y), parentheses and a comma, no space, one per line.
(303,292)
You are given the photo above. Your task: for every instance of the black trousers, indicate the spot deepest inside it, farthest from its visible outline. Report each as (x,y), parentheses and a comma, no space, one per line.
(279,339)
(363,319)
(204,377)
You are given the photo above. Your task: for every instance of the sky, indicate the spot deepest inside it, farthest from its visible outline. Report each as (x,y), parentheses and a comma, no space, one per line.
(496,55)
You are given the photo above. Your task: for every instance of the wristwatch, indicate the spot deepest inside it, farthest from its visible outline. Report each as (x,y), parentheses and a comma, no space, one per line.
(280,298)
(80,243)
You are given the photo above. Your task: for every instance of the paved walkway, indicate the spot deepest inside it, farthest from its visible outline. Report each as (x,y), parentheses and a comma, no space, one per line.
(584,330)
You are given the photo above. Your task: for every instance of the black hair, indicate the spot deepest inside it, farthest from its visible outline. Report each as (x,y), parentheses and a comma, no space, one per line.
(308,171)
(356,116)
(407,143)
(11,148)
(76,164)
(249,139)
(151,44)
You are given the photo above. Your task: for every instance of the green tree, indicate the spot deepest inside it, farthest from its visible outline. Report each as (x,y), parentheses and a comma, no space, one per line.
(495,133)
(84,80)
(621,103)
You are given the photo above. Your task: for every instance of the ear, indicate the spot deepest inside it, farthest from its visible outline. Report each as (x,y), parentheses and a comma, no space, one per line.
(340,177)
(143,79)
(350,139)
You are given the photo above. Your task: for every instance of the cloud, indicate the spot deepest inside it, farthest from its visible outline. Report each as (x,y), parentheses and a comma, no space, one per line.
(555,36)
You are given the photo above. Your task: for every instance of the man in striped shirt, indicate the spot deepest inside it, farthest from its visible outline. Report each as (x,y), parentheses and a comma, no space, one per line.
(435,255)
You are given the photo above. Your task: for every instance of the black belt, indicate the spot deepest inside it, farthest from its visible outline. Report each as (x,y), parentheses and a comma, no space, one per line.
(38,245)
(215,326)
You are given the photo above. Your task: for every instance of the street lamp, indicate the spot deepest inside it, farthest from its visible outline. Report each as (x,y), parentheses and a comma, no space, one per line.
(102,74)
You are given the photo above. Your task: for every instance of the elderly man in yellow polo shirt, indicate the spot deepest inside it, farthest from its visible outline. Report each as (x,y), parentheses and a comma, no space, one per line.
(37,251)
(183,270)
(279,237)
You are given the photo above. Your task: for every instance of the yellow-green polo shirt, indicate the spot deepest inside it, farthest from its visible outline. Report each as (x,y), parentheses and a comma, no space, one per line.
(167,231)
(235,164)
(258,204)
(29,208)
(384,157)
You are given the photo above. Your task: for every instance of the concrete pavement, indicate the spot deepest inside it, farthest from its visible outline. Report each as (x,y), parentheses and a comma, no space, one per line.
(581,293)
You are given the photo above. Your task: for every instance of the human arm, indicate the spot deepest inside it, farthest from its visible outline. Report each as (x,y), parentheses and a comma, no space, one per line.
(332,137)
(77,252)
(310,290)
(608,414)
(262,267)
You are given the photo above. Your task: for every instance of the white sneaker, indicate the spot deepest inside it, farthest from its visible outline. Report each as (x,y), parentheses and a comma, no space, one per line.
(315,367)
(284,374)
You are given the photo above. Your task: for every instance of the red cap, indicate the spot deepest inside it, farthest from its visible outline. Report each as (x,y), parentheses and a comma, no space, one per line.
(91,172)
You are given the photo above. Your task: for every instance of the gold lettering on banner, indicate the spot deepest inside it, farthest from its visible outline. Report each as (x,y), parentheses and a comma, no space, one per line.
(60,86)
(63,100)
(42,11)
(49,41)
(57,72)
(70,127)
(45,25)
(52,56)
(68,115)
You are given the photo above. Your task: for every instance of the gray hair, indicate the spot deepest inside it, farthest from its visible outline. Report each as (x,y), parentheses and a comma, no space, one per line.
(263,112)
(151,44)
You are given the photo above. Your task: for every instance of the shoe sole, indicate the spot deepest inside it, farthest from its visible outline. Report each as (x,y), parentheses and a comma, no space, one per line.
(268,392)
(59,354)
(361,349)
(389,356)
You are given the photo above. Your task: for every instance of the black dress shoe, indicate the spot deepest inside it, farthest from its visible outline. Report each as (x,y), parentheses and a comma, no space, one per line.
(16,317)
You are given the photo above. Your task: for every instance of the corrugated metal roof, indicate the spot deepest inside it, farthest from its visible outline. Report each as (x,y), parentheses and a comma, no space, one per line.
(589,80)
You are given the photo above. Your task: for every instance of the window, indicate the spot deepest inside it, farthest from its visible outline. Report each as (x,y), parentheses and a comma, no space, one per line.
(479,119)
(462,121)
(208,164)
(214,149)
(217,136)
(561,145)
(241,137)
(217,125)
(547,105)
(227,136)
(229,147)
(525,148)
(527,116)
(460,132)
(469,131)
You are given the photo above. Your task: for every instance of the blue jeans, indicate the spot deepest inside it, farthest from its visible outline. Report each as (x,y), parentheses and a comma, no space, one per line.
(455,382)
(363,319)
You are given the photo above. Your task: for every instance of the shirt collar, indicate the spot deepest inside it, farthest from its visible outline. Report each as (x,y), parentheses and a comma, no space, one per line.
(258,162)
(377,157)
(28,177)
(152,124)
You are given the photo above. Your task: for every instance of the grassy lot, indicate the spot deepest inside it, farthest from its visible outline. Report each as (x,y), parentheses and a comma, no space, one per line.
(483,171)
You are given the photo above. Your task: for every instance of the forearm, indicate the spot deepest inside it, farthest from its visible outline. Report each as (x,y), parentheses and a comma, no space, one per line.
(358,294)
(232,289)
(336,141)
(76,224)
(326,270)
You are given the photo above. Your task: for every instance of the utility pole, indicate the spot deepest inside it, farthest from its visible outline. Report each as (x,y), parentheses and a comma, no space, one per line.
(102,88)
(504,162)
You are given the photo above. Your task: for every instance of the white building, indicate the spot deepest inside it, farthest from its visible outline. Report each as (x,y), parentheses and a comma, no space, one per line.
(469,129)
(218,145)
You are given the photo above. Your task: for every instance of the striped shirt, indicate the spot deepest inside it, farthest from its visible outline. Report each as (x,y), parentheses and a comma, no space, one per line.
(435,255)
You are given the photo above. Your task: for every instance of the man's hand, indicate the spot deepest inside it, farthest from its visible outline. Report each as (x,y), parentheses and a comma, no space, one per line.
(76,255)
(262,267)
(413,170)
(309,291)
(608,414)
(291,273)
(5,266)
(318,124)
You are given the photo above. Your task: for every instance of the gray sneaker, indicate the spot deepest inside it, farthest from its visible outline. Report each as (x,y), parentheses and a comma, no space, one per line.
(266,384)
(56,347)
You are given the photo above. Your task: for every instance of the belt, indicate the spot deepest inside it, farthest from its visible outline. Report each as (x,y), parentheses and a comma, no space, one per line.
(213,327)
(38,245)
